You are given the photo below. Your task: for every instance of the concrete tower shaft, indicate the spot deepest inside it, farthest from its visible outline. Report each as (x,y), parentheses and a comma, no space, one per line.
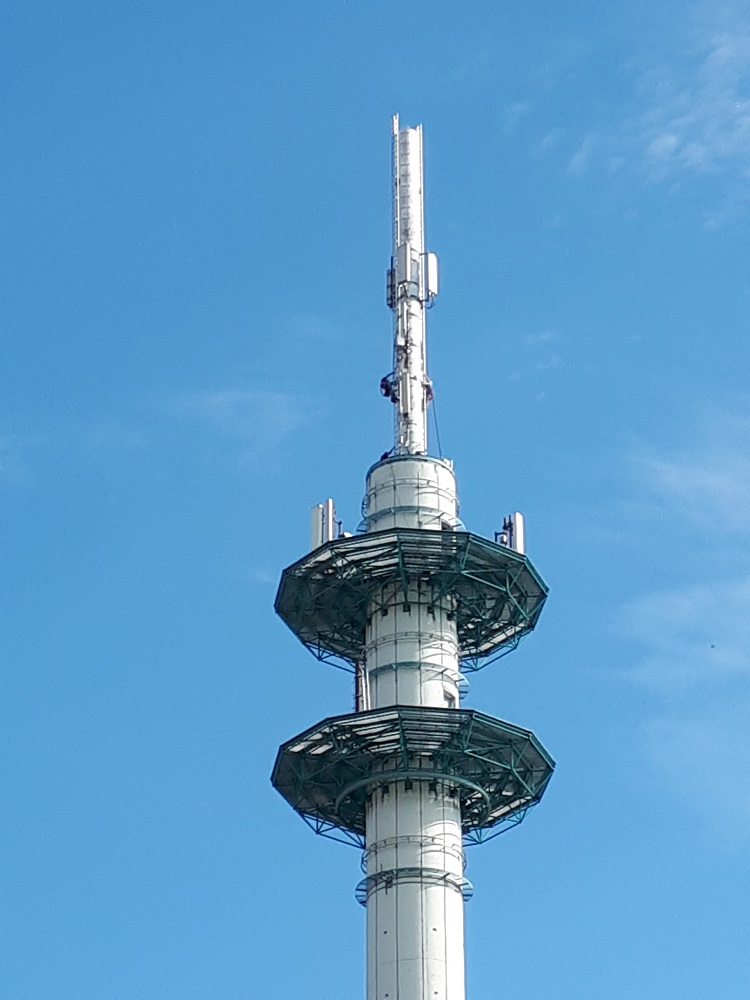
(414,853)
(411,647)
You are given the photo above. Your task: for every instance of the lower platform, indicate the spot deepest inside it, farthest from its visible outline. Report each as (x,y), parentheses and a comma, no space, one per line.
(497,770)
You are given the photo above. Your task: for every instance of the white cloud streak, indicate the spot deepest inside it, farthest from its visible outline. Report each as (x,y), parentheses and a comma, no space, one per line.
(255,421)
(697,117)
(242,425)
(695,637)
(703,753)
(15,452)
(709,484)
(687,116)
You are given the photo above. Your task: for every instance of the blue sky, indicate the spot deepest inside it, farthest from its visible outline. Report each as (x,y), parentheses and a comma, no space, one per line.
(196,229)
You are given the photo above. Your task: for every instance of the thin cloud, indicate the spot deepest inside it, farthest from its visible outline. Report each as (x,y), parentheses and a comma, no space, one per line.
(539,356)
(311,327)
(16,458)
(708,483)
(687,116)
(242,426)
(703,754)
(474,72)
(514,114)
(552,138)
(584,154)
(697,118)
(543,337)
(61,442)
(694,638)
(253,421)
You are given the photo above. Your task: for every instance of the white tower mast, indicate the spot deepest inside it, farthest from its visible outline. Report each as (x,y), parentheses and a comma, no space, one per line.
(415,925)
(406,602)
(412,283)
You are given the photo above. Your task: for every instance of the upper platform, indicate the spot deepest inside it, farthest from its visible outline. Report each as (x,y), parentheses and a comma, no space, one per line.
(495,593)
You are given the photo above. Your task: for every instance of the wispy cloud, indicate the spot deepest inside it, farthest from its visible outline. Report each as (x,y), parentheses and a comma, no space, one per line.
(708,483)
(311,327)
(240,425)
(697,113)
(703,753)
(514,113)
(541,337)
(15,452)
(255,421)
(540,355)
(580,160)
(474,72)
(32,446)
(686,114)
(694,638)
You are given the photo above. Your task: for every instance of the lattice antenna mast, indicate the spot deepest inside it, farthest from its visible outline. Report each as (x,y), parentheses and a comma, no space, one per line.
(412,284)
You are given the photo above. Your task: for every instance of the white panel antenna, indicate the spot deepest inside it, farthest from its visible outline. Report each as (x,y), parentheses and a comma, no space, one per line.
(412,284)
(513,534)
(323,524)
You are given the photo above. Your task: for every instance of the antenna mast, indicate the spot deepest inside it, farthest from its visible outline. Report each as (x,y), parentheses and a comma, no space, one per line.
(412,284)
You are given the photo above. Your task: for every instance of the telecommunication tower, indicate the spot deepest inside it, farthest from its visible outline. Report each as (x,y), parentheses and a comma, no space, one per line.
(410,604)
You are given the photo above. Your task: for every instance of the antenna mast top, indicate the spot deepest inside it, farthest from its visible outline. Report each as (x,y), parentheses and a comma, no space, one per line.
(412,284)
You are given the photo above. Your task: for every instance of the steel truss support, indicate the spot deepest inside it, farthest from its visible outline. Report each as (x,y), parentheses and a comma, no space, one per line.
(496,770)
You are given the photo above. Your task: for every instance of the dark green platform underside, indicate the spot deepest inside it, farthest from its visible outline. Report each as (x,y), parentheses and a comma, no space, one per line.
(495,595)
(496,770)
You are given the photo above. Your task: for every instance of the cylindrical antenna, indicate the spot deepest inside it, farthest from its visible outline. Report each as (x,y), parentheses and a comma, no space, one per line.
(412,282)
